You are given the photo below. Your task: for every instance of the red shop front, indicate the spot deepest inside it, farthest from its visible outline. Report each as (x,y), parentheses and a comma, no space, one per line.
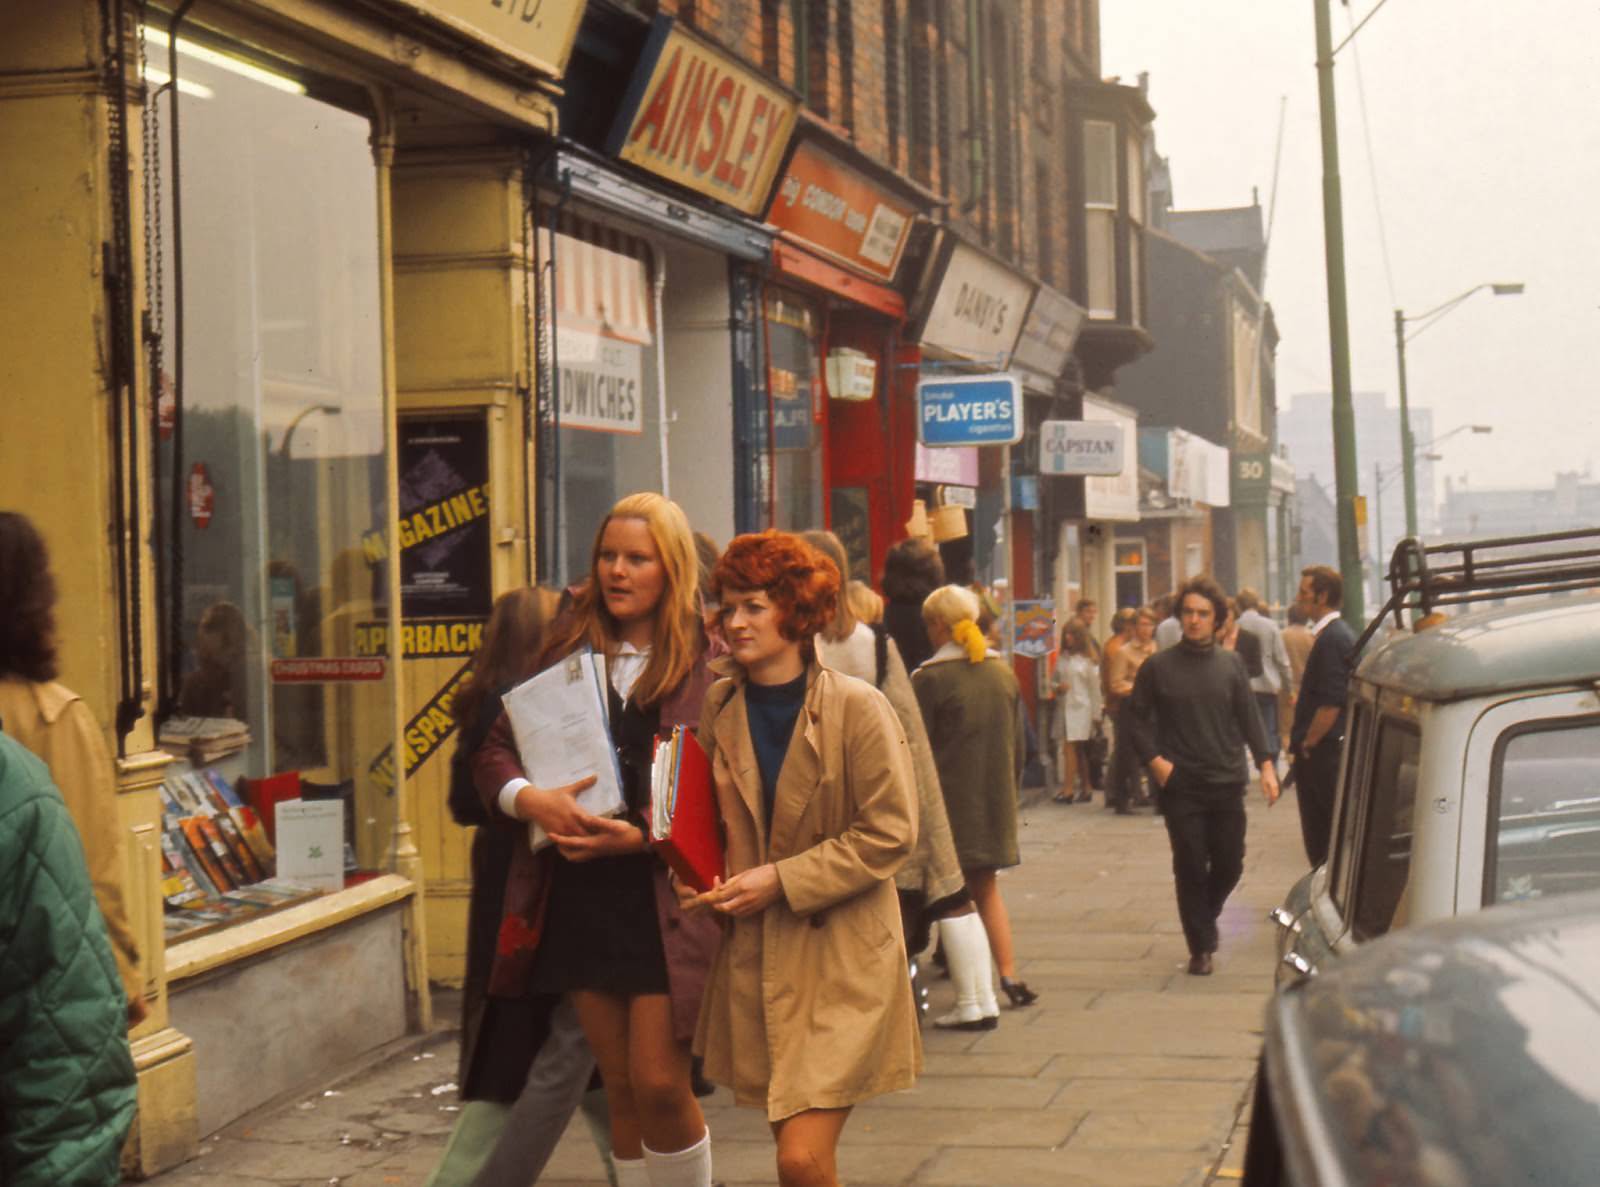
(839,433)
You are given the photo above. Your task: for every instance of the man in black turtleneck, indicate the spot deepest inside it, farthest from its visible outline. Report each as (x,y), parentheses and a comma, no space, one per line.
(1191,716)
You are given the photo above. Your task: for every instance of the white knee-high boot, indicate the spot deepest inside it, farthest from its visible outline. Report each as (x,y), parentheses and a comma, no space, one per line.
(684,1168)
(966,948)
(631,1172)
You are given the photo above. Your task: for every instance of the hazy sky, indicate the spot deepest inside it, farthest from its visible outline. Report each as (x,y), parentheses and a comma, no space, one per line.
(1485,131)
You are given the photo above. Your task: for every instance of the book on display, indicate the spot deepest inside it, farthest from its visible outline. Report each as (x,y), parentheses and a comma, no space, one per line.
(684,826)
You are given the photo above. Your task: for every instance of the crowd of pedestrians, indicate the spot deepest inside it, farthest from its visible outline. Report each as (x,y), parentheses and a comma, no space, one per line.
(866,753)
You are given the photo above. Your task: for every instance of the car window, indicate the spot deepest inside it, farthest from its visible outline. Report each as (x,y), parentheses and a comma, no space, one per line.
(1384,857)
(1544,821)
(1349,805)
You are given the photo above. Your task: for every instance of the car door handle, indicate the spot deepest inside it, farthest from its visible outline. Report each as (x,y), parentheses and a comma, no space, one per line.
(1299,964)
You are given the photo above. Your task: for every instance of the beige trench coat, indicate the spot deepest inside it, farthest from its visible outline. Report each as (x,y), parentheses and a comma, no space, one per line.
(809,1005)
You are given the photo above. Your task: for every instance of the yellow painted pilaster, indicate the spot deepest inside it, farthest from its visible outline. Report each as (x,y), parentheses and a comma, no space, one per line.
(460,326)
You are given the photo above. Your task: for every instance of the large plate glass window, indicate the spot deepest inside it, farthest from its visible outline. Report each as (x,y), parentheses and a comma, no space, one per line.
(278,572)
(1544,825)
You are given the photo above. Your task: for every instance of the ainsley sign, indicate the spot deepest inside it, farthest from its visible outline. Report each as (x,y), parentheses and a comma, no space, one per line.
(969,410)
(698,117)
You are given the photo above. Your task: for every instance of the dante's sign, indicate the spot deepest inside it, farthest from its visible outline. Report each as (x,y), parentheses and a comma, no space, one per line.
(695,115)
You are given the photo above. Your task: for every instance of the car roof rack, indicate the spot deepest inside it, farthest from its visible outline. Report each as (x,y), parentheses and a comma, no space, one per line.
(1424,577)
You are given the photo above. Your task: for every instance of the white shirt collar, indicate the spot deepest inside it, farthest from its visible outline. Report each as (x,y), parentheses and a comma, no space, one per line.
(1316,627)
(627,665)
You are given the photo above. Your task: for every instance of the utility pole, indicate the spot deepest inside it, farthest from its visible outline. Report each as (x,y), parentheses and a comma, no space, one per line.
(1408,447)
(1344,421)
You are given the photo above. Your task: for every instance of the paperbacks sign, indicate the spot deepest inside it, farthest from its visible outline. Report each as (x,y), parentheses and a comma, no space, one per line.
(696,116)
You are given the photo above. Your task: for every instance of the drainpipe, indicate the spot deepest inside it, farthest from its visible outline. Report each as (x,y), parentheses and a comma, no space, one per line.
(977,167)
(658,284)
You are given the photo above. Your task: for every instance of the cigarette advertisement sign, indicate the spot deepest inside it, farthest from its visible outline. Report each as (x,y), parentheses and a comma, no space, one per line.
(969,410)
(830,206)
(698,117)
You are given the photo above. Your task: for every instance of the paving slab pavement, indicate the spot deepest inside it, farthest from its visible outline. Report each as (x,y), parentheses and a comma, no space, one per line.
(1128,1072)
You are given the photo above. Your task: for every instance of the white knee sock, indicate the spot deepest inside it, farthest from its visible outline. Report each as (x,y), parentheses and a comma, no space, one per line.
(966,949)
(631,1172)
(685,1168)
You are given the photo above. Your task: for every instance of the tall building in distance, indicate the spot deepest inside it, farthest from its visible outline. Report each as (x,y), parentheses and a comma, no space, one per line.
(1305,428)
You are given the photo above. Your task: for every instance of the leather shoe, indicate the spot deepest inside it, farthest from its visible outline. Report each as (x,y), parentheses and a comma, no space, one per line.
(1200,964)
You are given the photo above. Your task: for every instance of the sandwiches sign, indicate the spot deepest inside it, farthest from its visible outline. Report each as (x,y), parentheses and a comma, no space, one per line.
(696,116)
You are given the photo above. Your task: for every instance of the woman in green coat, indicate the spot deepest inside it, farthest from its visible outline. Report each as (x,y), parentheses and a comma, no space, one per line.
(973,710)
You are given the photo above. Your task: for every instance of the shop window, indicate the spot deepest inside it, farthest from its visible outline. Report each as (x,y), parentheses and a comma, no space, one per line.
(1130,572)
(275,585)
(794,389)
(607,414)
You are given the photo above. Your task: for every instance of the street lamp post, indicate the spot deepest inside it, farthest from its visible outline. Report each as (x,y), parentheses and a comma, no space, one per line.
(1407,446)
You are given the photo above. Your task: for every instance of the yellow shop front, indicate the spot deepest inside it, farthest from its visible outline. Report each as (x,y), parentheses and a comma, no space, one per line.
(266,371)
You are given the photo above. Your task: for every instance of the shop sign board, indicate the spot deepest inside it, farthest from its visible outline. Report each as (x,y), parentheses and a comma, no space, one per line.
(1197,470)
(969,410)
(1252,477)
(538,33)
(695,115)
(1048,335)
(1081,447)
(1111,496)
(602,382)
(955,466)
(978,308)
(830,206)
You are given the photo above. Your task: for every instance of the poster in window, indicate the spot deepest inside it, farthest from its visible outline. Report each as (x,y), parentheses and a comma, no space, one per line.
(444,517)
(852,523)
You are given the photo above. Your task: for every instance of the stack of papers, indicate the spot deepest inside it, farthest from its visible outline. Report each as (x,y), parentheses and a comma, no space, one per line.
(204,740)
(563,734)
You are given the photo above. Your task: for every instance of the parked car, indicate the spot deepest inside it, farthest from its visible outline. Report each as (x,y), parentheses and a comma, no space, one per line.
(1471,762)
(1450,1055)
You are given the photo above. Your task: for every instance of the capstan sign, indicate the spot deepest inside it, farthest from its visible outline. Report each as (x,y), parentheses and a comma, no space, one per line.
(695,116)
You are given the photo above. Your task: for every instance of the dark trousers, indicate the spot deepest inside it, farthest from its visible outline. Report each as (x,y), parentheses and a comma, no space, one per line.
(1267,706)
(1317,777)
(1205,825)
(1122,783)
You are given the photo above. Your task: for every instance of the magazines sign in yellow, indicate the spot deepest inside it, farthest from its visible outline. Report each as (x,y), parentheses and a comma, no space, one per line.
(538,33)
(698,117)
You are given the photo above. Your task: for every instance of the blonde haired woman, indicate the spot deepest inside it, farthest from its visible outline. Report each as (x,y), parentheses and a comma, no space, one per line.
(972,708)
(594,917)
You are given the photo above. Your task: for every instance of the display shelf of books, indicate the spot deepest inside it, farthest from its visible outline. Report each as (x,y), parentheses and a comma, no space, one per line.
(218,867)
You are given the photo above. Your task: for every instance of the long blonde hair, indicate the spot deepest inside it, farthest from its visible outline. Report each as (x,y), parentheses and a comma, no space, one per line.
(956,609)
(678,638)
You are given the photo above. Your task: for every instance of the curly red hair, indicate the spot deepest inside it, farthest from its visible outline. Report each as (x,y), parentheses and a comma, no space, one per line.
(802,583)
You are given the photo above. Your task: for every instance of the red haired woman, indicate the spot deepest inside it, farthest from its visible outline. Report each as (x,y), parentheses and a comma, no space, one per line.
(808,1010)
(594,917)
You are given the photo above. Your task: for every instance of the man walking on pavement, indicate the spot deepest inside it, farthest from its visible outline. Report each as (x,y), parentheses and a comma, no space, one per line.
(1318,728)
(1191,716)
(1275,669)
